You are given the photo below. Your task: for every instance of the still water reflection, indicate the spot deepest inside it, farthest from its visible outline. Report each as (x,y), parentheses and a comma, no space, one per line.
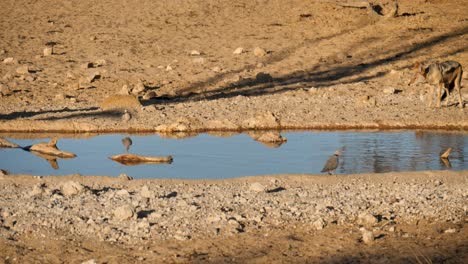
(206,157)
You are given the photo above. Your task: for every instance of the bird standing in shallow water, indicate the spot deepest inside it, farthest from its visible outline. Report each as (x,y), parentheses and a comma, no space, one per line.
(332,163)
(127,142)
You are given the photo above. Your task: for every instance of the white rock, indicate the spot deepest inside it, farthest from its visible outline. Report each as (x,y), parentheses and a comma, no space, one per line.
(23,69)
(125,90)
(71,188)
(238,51)
(124,212)
(125,177)
(367,236)
(259,52)
(139,88)
(389,90)
(367,219)
(319,224)
(8,60)
(48,51)
(257,187)
(195,53)
(145,192)
(168,68)
(91,261)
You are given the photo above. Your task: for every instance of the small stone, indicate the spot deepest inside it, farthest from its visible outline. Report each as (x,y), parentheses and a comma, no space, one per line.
(70,75)
(124,212)
(73,100)
(125,90)
(199,60)
(139,88)
(195,53)
(216,69)
(238,51)
(259,52)
(125,177)
(391,229)
(145,192)
(451,231)
(9,60)
(257,187)
(260,65)
(23,69)
(168,68)
(389,91)
(319,224)
(367,219)
(91,261)
(48,51)
(100,62)
(72,188)
(60,97)
(367,236)
(38,189)
(93,76)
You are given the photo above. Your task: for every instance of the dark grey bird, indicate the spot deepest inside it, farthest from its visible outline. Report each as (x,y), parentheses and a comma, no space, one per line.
(332,163)
(127,142)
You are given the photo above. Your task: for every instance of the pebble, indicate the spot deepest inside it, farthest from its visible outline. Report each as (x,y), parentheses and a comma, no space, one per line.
(238,51)
(145,192)
(367,236)
(71,188)
(367,219)
(139,88)
(319,224)
(91,261)
(259,52)
(48,51)
(195,53)
(124,212)
(125,177)
(23,69)
(389,91)
(257,187)
(9,60)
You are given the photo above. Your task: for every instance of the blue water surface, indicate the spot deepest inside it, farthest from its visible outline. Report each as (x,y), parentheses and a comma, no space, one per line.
(211,157)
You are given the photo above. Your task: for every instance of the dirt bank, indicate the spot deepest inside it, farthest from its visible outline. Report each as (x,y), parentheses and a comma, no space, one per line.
(388,218)
(304,64)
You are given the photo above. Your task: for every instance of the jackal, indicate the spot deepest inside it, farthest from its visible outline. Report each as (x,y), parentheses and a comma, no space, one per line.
(445,76)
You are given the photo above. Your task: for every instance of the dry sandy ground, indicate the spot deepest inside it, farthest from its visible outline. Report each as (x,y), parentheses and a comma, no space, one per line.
(319,65)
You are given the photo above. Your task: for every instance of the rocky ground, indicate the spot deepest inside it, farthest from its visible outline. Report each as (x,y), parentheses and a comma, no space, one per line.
(191,66)
(384,218)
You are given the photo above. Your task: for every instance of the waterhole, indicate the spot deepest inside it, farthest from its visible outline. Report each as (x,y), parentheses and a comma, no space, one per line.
(207,156)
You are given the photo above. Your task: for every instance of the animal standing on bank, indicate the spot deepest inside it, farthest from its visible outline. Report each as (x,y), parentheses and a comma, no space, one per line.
(444,76)
(332,163)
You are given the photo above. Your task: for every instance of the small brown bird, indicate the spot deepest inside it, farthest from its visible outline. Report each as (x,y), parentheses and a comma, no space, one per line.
(126,116)
(332,163)
(127,142)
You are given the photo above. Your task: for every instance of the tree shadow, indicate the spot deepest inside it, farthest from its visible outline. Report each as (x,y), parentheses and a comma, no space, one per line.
(320,75)
(26,114)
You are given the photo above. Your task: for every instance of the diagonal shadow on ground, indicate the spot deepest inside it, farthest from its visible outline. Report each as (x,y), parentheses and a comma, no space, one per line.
(322,75)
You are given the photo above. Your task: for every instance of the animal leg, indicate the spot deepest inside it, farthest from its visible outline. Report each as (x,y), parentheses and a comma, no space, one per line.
(439,94)
(458,88)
